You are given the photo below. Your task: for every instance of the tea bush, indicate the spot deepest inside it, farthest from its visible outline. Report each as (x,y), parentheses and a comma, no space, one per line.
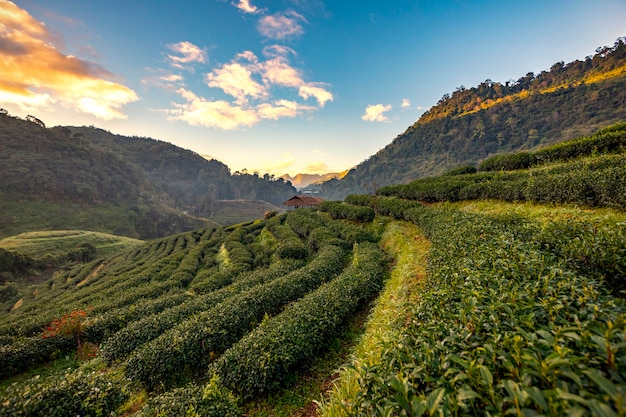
(265,357)
(339,210)
(212,400)
(76,393)
(191,345)
(502,328)
(609,140)
(139,332)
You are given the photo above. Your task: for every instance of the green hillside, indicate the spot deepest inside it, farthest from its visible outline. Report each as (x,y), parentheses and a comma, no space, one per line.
(58,242)
(465,127)
(476,302)
(90,179)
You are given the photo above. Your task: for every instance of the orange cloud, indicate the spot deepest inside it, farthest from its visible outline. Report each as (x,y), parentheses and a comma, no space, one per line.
(35,74)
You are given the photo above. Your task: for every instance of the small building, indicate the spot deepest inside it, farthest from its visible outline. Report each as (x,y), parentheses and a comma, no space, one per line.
(300,201)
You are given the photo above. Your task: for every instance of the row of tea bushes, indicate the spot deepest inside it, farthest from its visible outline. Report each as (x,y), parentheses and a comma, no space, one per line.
(502,327)
(339,210)
(193,343)
(76,393)
(609,140)
(593,182)
(135,334)
(266,357)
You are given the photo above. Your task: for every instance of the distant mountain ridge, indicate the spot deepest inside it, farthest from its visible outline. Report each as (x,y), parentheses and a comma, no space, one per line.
(467,126)
(304,180)
(89,178)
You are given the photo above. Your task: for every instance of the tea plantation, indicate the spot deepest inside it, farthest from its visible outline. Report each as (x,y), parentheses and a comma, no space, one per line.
(490,292)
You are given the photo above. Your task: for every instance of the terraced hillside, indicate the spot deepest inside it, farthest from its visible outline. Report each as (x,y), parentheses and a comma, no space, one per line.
(486,302)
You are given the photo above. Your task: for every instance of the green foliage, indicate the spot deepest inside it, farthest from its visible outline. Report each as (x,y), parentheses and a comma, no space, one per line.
(212,400)
(500,327)
(607,141)
(593,182)
(339,210)
(466,169)
(141,331)
(74,393)
(266,357)
(192,344)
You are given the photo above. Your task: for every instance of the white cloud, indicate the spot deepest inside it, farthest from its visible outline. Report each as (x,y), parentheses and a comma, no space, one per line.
(221,114)
(406,103)
(34,74)
(185,53)
(311,90)
(246,7)
(281,108)
(375,113)
(282,25)
(236,80)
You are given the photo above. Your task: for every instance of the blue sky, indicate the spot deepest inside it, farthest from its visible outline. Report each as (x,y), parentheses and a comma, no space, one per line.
(287,86)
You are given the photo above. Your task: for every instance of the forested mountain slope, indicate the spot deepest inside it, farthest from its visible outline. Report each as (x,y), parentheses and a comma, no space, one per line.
(467,126)
(88,178)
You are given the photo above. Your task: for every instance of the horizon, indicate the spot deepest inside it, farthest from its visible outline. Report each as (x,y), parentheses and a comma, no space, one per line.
(287,87)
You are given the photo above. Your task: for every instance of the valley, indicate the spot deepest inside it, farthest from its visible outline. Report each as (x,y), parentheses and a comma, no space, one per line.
(475,266)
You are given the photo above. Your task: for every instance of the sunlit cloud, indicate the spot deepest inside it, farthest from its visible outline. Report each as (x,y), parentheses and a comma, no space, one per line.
(246,7)
(287,160)
(281,108)
(236,80)
(320,94)
(406,103)
(282,25)
(171,78)
(185,53)
(316,167)
(375,113)
(35,74)
(197,111)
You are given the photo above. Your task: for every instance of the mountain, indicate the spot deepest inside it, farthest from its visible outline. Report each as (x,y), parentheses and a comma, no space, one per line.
(304,180)
(89,178)
(469,125)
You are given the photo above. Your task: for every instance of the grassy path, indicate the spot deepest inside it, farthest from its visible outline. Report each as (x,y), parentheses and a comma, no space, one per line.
(404,242)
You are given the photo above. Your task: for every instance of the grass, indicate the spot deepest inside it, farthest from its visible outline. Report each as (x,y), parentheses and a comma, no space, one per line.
(544,214)
(405,243)
(229,212)
(59,242)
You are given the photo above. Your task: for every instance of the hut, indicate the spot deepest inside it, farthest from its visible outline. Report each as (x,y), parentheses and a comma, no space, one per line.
(300,201)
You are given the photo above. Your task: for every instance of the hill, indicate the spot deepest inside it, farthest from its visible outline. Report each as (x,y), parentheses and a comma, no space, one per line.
(486,301)
(469,125)
(87,178)
(304,180)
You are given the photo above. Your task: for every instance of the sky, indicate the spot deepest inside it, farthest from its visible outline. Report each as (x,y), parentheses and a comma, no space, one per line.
(283,86)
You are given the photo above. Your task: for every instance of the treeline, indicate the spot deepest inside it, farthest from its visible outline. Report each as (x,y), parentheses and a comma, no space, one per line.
(132,186)
(456,132)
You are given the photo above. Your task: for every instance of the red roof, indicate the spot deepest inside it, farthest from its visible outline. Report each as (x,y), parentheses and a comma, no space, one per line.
(303,201)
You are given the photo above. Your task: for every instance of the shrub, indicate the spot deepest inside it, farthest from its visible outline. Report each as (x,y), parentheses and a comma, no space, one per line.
(193,344)
(265,358)
(75,393)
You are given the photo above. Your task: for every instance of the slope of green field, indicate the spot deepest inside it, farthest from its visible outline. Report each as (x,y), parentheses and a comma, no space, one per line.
(485,306)
(59,242)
